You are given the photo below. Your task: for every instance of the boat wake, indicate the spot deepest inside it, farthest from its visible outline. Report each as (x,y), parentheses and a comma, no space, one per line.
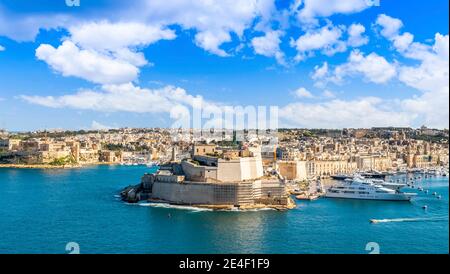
(165,205)
(432,219)
(247,210)
(196,209)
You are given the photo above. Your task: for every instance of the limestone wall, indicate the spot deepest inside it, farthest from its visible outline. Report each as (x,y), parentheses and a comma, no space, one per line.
(229,170)
(192,193)
(248,168)
(196,193)
(198,173)
(302,173)
(183,193)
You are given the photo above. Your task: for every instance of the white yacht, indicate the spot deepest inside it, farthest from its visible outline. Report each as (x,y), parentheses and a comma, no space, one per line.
(364,189)
(394,186)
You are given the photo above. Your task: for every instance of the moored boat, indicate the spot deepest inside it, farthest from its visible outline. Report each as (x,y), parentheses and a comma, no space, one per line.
(364,189)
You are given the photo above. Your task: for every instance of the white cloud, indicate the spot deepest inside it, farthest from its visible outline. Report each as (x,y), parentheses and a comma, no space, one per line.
(365,112)
(329,40)
(441,46)
(432,73)
(2,48)
(103,52)
(389,26)
(99,126)
(431,77)
(390,29)
(403,42)
(105,36)
(25,27)
(430,108)
(325,39)
(211,41)
(303,93)
(328,94)
(269,45)
(106,52)
(373,67)
(70,60)
(356,37)
(120,98)
(311,9)
(214,21)
(320,71)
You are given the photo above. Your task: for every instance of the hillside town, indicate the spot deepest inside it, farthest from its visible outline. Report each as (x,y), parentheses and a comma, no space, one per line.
(297,154)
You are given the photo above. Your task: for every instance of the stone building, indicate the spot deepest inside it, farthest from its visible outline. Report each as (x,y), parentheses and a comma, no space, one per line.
(207,180)
(293,170)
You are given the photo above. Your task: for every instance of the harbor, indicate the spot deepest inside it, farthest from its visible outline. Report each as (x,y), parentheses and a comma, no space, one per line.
(41,197)
(230,135)
(391,182)
(321,193)
(214,178)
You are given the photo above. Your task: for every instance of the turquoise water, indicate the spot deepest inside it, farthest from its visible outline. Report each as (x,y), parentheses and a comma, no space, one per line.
(42,210)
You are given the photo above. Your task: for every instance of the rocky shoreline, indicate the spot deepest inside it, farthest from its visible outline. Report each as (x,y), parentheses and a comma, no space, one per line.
(290,205)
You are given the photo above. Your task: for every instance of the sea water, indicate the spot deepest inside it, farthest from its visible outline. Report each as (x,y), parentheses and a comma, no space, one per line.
(41,211)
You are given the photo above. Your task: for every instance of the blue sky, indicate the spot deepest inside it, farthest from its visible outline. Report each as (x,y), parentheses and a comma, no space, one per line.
(324,63)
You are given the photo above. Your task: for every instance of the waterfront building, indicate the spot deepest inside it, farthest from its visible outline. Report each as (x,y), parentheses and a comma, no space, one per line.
(109,156)
(330,167)
(10,144)
(324,152)
(373,162)
(203,149)
(293,170)
(49,151)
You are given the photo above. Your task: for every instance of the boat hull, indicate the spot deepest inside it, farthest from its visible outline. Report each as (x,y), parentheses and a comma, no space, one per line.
(380,197)
(394,186)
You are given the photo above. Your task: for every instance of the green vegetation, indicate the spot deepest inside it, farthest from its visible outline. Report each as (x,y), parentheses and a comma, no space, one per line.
(114,147)
(308,133)
(120,147)
(69,160)
(441,138)
(18,137)
(228,144)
